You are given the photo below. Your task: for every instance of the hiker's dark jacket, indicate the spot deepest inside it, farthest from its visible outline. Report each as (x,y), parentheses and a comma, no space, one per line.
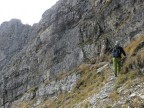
(121,51)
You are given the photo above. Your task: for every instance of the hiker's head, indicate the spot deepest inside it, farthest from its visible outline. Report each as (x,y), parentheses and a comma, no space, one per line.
(117,43)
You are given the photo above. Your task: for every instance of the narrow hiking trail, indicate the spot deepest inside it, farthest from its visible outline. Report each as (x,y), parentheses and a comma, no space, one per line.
(99,99)
(110,97)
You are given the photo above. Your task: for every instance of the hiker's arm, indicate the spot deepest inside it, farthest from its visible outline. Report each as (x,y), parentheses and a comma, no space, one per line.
(123,51)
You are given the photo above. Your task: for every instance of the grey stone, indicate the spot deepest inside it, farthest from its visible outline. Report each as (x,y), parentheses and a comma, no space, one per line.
(133,95)
(102,68)
(141,96)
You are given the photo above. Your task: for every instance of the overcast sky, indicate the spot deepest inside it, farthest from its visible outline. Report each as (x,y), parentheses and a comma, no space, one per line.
(28,11)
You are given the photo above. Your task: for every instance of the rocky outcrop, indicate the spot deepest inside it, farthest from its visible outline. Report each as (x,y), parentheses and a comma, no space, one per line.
(49,90)
(14,36)
(69,33)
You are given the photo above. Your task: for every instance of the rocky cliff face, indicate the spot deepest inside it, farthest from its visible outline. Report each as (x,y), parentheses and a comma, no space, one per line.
(13,36)
(72,31)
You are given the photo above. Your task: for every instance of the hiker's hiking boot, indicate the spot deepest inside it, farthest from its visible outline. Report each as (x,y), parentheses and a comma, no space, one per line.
(116,75)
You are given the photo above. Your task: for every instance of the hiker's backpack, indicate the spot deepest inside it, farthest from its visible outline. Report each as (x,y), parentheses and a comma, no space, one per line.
(116,52)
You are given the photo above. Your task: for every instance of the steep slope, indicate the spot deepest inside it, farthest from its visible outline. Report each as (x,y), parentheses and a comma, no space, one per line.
(43,59)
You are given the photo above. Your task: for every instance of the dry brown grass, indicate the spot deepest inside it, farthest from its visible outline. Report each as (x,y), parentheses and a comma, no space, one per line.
(120,81)
(128,79)
(135,55)
(129,84)
(114,96)
(137,103)
(131,48)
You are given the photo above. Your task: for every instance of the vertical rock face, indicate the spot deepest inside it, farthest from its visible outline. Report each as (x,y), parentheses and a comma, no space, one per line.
(67,34)
(13,36)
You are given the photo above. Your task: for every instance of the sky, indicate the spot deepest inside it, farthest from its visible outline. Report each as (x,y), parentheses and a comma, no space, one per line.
(28,11)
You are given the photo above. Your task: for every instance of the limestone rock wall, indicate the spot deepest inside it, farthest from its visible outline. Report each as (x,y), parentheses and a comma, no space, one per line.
(68,33)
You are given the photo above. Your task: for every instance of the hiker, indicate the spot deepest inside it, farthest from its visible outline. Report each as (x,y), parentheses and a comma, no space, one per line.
(116,53)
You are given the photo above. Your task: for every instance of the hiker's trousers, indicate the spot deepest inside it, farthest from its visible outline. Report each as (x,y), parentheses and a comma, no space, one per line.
(116,65)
